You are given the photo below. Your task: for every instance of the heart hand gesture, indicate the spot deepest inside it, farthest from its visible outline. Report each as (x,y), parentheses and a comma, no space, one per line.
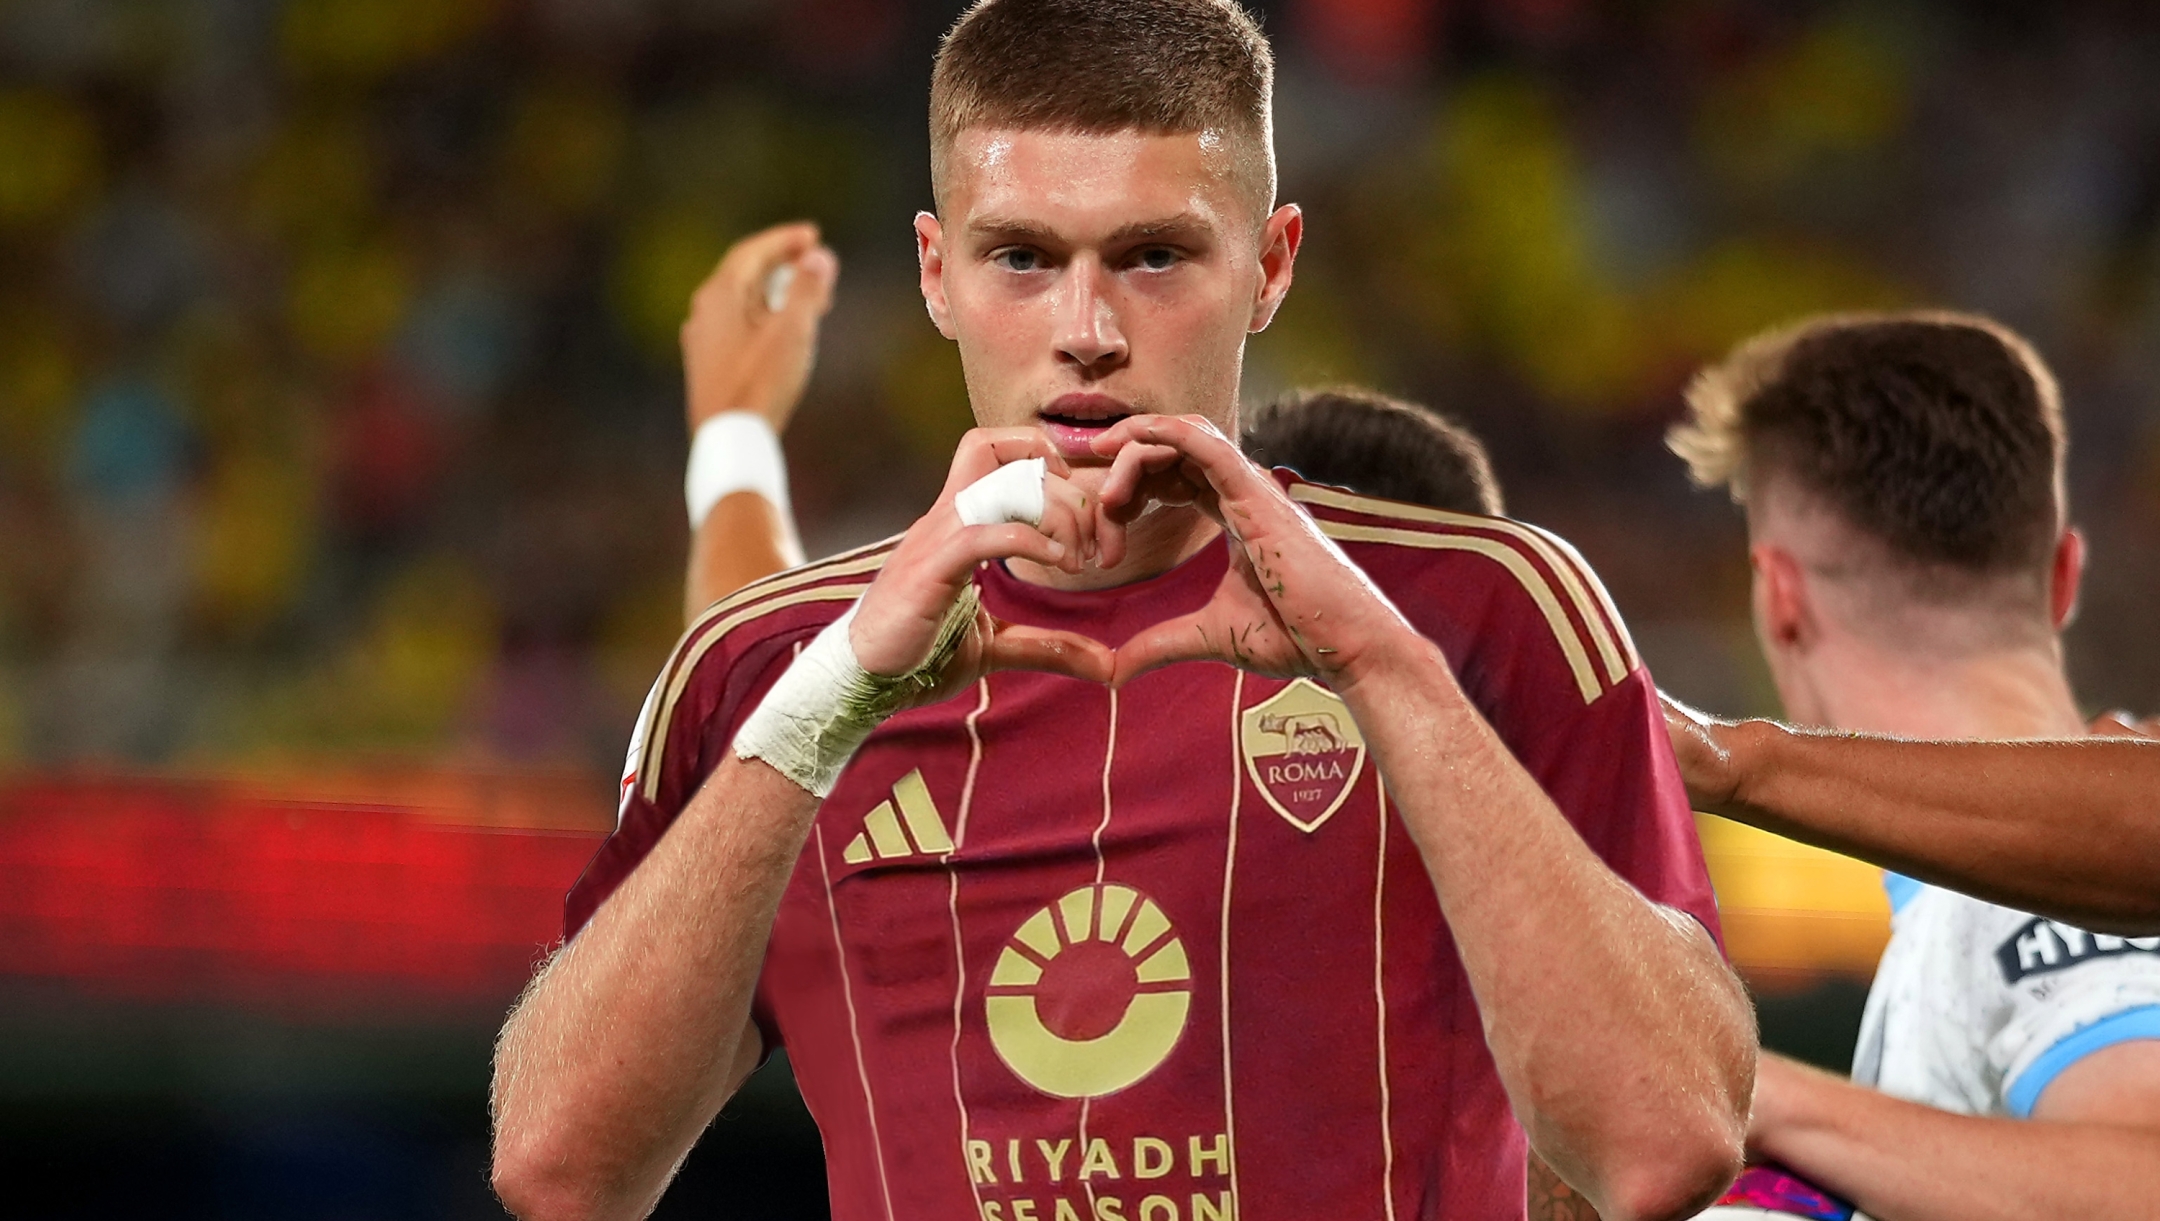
(1291,603)
(903,613)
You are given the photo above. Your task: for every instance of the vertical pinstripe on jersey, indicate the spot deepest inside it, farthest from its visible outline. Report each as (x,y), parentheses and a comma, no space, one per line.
(1237,794)
(1379,984)
(1109,757)
(847,994)
(952,878)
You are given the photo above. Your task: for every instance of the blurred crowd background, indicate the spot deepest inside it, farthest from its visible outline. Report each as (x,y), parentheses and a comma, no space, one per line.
(341,429)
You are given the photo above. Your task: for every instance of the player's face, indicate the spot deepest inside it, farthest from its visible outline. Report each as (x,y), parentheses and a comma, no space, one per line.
(1091,277)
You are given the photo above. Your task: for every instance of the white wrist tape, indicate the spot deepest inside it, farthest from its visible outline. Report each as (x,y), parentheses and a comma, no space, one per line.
(821,709)
(734,451)
(1012,492)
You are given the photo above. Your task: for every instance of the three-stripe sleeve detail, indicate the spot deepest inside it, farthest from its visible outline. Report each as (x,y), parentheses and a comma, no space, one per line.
(820,582)
(1575,606)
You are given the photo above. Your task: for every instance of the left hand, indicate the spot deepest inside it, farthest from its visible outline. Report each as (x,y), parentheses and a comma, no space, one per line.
(1291,603)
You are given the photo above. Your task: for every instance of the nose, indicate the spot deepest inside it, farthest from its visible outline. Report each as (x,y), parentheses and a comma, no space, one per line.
(1088,334)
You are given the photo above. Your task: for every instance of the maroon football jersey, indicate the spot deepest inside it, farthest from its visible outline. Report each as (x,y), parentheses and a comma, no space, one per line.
(1060,953)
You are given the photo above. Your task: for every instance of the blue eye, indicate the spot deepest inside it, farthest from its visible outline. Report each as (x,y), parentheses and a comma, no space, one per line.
(1157,258)
(1017,260)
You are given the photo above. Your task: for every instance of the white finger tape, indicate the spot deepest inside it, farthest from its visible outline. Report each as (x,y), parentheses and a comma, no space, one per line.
(735,451)
(777,284)
(1012,492)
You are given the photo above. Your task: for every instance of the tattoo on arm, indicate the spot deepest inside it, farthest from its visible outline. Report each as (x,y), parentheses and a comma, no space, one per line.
(1553,1200)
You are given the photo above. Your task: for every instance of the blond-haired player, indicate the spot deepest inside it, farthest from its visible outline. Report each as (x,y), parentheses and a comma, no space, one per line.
(1903,481)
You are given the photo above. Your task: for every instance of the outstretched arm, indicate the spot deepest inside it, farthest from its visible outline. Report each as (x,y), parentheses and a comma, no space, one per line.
(748,347)
(1625,1043)
(2069,828)
(636,1033)
(2092,1148)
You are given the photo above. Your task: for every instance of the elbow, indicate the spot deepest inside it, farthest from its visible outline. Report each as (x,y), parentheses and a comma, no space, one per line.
(535,1184)
(1678,1181)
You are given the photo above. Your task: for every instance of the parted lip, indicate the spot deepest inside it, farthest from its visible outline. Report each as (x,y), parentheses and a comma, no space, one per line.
(1085,410)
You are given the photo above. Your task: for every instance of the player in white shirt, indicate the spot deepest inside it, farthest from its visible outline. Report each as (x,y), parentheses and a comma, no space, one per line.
(1903,481)
(1979,1009)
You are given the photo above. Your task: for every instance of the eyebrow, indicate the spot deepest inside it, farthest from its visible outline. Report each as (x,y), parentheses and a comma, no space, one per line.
(1184,225)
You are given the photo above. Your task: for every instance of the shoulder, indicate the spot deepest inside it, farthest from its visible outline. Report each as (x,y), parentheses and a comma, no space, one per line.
(725,649)
(809,596)
(1495,573)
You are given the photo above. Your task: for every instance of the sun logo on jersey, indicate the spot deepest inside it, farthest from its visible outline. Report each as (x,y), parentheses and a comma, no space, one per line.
(1090,994)
(1303,752)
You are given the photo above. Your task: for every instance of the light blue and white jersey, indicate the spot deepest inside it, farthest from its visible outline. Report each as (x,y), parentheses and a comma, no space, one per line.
(1977,1008)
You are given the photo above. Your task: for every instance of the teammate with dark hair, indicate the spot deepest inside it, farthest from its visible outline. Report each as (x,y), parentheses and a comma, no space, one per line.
(1375,445)
(1903,481)
(1167,948)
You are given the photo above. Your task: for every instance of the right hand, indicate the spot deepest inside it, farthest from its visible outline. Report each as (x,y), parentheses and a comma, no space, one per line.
(738,353)
(897,622)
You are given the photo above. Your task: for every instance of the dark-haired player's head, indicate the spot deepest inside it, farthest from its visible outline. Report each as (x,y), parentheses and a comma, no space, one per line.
(1903,479)
(1375,445)
(1105,234)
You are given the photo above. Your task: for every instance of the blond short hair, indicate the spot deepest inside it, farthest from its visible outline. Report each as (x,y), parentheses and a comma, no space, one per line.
(1160,67)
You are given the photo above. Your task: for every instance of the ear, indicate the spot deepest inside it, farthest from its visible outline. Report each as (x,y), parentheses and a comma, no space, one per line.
(1784,616)
(930,263)
(2064,577)
(1279,239)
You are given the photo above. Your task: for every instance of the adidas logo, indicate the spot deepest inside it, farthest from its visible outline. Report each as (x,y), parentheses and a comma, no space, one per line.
(883,837)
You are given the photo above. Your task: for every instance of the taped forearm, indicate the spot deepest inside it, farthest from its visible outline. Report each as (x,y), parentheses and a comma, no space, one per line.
(822,709)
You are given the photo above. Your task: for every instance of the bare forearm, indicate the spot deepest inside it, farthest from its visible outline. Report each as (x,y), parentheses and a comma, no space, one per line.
(1900,1161)
(633,1037)
(2069,828)
(1623,1039)
(744,538)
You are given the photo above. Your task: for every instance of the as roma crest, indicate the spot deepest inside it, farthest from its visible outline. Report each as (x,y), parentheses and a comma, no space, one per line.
(1303,752)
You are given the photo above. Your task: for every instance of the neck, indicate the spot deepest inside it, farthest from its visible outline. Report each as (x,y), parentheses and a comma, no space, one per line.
(1154,545)
(2013,693)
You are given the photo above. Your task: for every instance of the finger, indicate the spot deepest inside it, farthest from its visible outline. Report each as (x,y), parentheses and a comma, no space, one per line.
(1016,647)
(1223,465)
(751,259)
(974,545)
(1133,464)
(1184,638)
(817,271)
(983,450)
(1064,497)
(1057,524)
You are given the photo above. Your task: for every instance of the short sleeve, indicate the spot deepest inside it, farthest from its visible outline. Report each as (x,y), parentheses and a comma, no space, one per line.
(1609,767)
(2072,993)
(717,674)
(1539,648)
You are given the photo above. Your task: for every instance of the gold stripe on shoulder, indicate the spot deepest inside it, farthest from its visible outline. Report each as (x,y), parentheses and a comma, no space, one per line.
(656,742)
(861,559)
(1510,558)
(1630,658)
(1572,572)
(856,560)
